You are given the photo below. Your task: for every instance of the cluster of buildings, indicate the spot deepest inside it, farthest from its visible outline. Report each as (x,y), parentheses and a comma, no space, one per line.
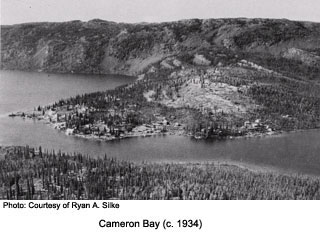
(65,118)
(256,126)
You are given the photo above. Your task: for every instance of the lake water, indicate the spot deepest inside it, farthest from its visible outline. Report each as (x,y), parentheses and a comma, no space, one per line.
(290,152)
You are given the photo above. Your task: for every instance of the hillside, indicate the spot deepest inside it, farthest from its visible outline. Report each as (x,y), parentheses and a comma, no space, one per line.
(29,174)
(99,46)
(207,78)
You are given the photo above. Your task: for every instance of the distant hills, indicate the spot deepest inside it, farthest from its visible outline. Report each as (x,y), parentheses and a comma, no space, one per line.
(99,46)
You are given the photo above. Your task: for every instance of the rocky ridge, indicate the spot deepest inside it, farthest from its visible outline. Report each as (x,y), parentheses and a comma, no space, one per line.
(105,47)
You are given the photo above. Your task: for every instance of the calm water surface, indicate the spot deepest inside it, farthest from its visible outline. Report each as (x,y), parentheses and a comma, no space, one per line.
(291,152)
(25,90)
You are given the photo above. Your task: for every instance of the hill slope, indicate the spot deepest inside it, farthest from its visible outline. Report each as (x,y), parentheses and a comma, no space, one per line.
(207,77)
(99,46)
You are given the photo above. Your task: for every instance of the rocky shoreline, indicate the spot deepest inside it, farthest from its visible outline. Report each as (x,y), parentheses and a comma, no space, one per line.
(159,128)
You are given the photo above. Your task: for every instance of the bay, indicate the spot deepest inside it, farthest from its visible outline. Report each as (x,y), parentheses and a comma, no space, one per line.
(296,152)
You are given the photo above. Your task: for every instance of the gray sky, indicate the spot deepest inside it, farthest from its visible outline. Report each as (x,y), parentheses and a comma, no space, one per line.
(19,11)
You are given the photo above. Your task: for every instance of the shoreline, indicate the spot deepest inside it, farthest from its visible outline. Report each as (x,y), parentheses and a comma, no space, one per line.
(179,132)
(227,163)
(109,178)
(224,164)
(67,72)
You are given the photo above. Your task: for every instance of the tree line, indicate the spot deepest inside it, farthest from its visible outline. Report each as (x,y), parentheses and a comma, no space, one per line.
(29,173)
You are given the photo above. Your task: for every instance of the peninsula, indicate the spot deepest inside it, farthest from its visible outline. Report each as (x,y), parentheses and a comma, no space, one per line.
(211,78)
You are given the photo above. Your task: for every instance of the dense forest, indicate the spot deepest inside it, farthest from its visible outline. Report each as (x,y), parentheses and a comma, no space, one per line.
(28,173)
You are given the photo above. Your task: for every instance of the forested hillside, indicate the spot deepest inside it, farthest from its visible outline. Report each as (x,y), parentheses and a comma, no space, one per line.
(28,173)
(212,77)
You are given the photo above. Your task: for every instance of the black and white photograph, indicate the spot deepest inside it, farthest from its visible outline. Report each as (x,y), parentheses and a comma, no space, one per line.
(214,108)
(159,120)
(120,100)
